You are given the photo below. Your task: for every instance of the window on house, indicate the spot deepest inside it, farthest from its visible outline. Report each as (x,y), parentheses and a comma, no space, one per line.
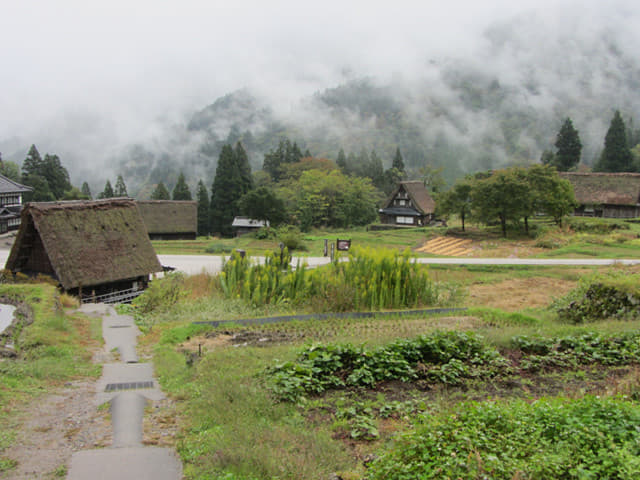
(405,220)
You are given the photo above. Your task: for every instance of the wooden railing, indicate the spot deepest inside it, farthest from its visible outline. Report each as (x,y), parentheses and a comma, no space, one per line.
(121,296)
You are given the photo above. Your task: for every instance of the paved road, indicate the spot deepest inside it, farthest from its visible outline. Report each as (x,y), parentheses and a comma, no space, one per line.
(192,264)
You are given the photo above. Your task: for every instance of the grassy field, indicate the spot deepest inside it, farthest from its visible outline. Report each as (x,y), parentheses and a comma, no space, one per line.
(579,238)
(282,400)
(53,349)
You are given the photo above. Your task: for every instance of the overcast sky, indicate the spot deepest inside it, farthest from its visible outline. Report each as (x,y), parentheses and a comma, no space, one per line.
(126,63)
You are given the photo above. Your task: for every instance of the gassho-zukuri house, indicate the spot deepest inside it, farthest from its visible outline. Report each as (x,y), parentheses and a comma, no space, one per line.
(90,247)
(170,219)
(409,205)
(612,195)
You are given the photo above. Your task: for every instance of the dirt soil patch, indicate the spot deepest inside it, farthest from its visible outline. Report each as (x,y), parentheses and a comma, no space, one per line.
(519,293)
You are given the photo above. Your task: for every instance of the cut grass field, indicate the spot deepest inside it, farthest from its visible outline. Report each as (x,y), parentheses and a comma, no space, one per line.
(235,427)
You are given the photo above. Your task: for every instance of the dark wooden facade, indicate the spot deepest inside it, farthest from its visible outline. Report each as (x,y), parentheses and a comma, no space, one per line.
(409,205)
(10,203)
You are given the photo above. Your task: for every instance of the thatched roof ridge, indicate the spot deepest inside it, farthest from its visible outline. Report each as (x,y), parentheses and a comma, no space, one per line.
(87,242)
(169,216)
(605,188)
(418,194)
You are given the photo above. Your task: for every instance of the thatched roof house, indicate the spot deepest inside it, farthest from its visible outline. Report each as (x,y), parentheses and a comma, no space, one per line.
(410,204)
(614,195)
(170,219)
(99,246)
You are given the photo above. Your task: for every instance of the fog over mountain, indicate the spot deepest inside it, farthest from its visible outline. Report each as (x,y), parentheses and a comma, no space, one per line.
(147,90)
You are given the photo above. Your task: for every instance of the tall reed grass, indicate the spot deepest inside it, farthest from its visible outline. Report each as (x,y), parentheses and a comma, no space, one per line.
(371,279)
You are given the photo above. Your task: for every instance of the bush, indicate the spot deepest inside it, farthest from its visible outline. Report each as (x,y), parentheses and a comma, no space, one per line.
(550,438)
(601,297)
(292,238)
(596,225)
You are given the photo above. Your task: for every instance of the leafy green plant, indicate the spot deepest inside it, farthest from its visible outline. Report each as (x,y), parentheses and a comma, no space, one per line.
(551,438)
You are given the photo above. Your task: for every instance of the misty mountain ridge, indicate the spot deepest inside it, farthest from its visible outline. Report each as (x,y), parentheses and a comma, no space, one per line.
(502,105)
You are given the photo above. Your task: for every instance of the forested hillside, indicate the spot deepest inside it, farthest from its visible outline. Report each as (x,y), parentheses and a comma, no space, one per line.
(501,104)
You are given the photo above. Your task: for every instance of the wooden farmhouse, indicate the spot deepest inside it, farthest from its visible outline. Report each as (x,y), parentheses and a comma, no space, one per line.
(170,219)
(10,203)
(612,195)
(409,205)
(90,247)
(244,225)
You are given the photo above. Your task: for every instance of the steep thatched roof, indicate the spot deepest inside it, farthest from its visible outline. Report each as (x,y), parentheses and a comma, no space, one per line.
(418,194)
(169,216)
(86,242)
(605,188)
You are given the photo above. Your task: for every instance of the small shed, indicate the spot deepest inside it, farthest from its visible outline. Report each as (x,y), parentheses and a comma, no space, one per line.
(611,195)
(409,205)
(244,225)
(170,219)
(89,247)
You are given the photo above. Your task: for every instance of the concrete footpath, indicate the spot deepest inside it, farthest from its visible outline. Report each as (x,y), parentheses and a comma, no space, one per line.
(127,386)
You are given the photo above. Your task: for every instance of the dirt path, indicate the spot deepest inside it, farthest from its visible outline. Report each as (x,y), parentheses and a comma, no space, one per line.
(55,425)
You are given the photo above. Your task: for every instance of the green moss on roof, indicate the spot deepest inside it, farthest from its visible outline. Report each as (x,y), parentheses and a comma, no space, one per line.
(605,188)
(169,216)
(89,243)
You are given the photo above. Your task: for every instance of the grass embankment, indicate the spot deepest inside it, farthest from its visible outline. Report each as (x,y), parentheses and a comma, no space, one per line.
(237,424)
(52,348)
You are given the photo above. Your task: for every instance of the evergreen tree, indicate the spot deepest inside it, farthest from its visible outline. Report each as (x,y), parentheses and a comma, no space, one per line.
(32,165)
(242,160)
(569,147)
(341,161)
(616,156)
(376,171)
(398,163)
(56,175)
(273,161)
(108,191)
(160,193)
(203,209)
(226,190)
(121,188)
(86,191)
(181,190)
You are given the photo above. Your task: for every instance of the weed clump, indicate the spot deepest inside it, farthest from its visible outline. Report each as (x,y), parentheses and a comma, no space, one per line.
(601,297)
(369,280)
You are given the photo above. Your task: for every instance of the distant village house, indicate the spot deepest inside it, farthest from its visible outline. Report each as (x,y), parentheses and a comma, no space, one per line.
(244,225)
(170,219)
(90,247)
(11,203)
(611,195)
(409,205)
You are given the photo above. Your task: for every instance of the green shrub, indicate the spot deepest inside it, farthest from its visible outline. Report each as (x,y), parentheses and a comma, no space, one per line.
(441,357)
(292,238)
(551,438)
(596,225)
(600,297)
